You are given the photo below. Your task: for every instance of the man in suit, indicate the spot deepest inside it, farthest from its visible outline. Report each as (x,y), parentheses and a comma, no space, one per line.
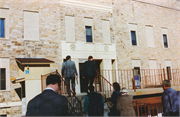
(69,71)
(170,100)
(89,72)
(49,102)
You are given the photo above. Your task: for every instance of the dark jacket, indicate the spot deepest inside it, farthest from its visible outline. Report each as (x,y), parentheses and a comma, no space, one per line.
(125,105)
(89,69)
(170,101)
(69,69)
(48,103)
(113,110)
(94,104)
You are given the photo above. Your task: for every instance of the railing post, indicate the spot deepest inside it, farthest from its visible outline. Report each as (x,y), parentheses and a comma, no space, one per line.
(164,74)
(81,108)
(134,86)
(138,109)
(57,73)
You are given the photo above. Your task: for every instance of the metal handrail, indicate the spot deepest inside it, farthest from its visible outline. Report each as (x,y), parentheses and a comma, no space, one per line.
(72,105)
(103,78)
(145,109)
(148,78)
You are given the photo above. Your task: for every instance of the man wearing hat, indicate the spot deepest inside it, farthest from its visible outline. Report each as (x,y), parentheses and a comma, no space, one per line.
(125,104)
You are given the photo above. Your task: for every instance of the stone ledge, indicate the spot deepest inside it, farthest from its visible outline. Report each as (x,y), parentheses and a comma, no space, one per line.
(10,104)
(149,91)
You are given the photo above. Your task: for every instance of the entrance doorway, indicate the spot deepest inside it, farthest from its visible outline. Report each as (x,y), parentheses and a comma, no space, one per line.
(82,80)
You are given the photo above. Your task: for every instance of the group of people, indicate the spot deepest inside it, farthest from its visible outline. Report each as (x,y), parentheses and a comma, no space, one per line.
(50,103)
(121,102)
(69,71)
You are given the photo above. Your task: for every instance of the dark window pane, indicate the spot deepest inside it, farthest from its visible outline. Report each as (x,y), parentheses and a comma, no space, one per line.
(165,41)
(169,73)
(2,78)
(133,37)
(1,27)
(88,34)
(137,71)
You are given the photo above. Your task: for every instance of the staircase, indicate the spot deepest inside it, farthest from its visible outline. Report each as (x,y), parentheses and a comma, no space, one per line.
(105,88)
(145,108)
(74,104)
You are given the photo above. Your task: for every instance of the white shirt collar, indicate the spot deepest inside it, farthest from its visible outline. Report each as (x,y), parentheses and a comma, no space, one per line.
(49,88)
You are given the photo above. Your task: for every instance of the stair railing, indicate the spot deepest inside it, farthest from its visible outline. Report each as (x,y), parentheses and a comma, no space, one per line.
(104,87)
(146,109)
(74,103)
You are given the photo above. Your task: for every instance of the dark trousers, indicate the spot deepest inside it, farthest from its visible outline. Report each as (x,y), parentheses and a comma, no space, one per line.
(87,81)
(68,84)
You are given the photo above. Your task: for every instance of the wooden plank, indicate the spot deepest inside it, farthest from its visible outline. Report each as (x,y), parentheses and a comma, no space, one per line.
(151,100)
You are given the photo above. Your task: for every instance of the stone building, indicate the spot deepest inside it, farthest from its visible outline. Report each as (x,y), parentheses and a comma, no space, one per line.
(119,34)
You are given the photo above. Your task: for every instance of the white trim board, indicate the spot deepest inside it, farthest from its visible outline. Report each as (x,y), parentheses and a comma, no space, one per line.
(86,5)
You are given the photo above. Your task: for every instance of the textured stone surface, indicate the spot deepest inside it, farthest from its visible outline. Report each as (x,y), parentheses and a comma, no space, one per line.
(52,32)
(146,14)
(12,111)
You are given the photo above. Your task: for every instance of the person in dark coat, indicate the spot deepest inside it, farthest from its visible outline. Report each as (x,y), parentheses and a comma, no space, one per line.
(125,104)
(49,102)
(170,100)
(89,72)
(93,104)
(113,103)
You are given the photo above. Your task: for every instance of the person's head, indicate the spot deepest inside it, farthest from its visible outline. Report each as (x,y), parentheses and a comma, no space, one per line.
(166,84)
(91,88)
(90,58)
(116,86)
(53,81)
(124,91)
(68,57)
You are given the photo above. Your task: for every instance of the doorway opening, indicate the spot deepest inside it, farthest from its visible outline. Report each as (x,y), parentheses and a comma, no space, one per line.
(82,80)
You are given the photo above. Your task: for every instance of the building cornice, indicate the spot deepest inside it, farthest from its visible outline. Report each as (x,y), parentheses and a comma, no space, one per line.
(86,5)
(156,4)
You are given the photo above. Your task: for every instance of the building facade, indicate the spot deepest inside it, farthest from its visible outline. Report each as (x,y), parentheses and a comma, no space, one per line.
(128,34)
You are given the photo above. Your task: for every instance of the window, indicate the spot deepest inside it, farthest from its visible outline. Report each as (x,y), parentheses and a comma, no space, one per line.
(2,33)
(133,37)
(88,34)
(2,78)
(136,71)
(168,72)
(165,40)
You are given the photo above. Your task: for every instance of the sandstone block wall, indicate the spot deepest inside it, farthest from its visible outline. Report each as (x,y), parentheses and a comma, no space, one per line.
(142,14)
(156,13)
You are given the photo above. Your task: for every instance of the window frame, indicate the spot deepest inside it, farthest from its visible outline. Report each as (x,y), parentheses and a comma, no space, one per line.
(168,70)
(166,41)
(91,34)
(4,27)
(4,14)
(134,36)
(133,27)
(137,69)
(5,87)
